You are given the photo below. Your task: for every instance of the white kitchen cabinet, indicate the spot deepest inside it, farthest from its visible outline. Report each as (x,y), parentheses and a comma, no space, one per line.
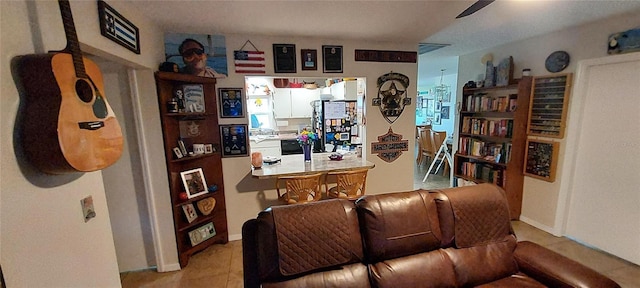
(268,147)
(345,90)
(294,102)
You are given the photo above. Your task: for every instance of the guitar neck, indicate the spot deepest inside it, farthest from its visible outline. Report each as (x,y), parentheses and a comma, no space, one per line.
(73,46)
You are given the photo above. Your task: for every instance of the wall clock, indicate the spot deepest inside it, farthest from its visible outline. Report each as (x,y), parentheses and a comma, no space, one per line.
(557,61)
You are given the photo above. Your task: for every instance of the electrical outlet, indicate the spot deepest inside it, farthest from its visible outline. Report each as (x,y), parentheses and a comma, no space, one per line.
(87,208)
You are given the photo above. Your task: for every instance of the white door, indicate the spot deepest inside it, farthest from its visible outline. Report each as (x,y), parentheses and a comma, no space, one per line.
(604,192)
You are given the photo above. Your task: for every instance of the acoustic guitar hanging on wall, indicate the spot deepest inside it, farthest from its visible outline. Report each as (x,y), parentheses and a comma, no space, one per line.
(68,125)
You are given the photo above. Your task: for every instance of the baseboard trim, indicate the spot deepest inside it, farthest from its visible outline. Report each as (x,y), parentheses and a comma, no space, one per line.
(234,237)
(170,267)
(540,226)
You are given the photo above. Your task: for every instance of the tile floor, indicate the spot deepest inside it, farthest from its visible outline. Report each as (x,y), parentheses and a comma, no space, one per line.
(221,265)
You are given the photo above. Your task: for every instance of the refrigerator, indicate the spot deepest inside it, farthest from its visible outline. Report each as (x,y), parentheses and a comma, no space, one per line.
(336,123)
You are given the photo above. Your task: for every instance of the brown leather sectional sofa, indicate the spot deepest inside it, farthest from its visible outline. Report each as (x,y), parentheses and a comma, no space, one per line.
(458,237)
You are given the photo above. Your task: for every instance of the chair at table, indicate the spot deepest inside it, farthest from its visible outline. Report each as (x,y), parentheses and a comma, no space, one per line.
(300,189)
(350,184)
(425,145)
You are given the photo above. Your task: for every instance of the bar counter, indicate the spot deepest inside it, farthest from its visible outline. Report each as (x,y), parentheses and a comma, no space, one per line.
(320,162)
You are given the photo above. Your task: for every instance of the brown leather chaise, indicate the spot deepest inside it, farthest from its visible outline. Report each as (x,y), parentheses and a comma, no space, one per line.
(458,237)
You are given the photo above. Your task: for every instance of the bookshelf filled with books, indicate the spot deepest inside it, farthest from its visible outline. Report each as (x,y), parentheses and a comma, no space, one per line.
(492,138)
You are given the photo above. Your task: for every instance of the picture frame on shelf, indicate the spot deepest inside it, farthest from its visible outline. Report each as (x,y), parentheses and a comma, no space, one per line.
(231,102)
(193,98)
(189,212)
(208,148)
(194,182)
(309,59)
(284,58)
(235,140)
(541,159)
(332,59)
(177,152)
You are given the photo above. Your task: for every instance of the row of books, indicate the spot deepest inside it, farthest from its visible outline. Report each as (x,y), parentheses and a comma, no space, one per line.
(484,172)
(483,103)
(490,151)
(487,127)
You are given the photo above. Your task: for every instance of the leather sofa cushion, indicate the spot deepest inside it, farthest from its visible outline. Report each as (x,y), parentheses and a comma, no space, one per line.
(353,276)
(296,239)
(398,224)
(429,269)
(483,263)
(517,280)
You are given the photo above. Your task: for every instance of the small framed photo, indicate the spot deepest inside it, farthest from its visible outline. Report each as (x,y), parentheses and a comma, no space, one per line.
(235,140)
(309,59)
(231,102)
(189,212)
(208,148)
(332,59)
(194,182)
(284,58)
(177,152)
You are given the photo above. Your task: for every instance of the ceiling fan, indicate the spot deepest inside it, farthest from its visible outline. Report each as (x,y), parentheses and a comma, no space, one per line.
(474,8)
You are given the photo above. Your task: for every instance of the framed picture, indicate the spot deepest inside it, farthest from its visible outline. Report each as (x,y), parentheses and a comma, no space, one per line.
(284,58)
(117,28)
(194,182)
(190,51)
(332,59)
(438,106)
(541,158)
(189,212)
(208,148)
(437,118)
(231,102)
(177,152)
(193,98)
(429,111)
(235,140)
(445,112)
(309,59)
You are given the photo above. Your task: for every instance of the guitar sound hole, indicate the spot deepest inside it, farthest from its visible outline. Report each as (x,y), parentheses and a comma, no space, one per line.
(84,90)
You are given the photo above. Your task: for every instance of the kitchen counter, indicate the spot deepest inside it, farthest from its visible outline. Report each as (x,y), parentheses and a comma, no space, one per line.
(320,162)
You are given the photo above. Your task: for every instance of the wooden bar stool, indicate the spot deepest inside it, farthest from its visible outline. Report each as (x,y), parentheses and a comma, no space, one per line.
(300,189)
(350,184)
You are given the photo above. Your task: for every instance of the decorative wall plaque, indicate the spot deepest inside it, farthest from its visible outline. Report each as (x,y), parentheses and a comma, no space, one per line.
(117,28)
(392,95)
(386,56)
(332,59)
(389,146)
(284,58)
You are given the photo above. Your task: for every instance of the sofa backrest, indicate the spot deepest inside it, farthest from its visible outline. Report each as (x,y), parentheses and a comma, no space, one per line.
(398,224)
(289,242)
(476,228)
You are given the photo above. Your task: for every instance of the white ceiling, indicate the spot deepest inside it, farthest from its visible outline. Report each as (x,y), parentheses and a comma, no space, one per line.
(407,21)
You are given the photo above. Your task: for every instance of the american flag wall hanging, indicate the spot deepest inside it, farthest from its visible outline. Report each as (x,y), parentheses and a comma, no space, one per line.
(249,62)
(117,28)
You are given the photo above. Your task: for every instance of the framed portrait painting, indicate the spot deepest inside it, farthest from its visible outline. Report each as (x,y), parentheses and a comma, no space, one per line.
(309,59)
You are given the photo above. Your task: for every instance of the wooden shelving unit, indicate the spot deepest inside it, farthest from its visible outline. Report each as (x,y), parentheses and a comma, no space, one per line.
(548,108)
(211,163)
(492,138)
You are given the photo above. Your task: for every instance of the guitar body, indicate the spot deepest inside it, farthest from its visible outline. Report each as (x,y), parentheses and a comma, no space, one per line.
(68,125)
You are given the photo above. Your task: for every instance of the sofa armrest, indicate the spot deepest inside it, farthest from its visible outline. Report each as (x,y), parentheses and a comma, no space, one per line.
(555,270)
(249,254)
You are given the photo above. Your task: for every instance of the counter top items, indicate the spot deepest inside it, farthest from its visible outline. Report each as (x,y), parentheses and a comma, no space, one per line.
(320,162)
(270,160)
(335,156)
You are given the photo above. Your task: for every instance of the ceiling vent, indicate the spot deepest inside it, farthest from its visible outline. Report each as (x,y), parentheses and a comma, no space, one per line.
(428,47)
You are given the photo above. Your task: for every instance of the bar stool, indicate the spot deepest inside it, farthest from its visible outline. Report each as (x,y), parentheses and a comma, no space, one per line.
(350,184)
(300,189)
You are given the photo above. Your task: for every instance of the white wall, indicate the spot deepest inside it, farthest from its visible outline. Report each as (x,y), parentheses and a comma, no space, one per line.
(253,195)
(541,201)
(44,239)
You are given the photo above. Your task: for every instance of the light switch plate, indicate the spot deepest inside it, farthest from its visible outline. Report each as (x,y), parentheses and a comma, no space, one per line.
(87,208)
